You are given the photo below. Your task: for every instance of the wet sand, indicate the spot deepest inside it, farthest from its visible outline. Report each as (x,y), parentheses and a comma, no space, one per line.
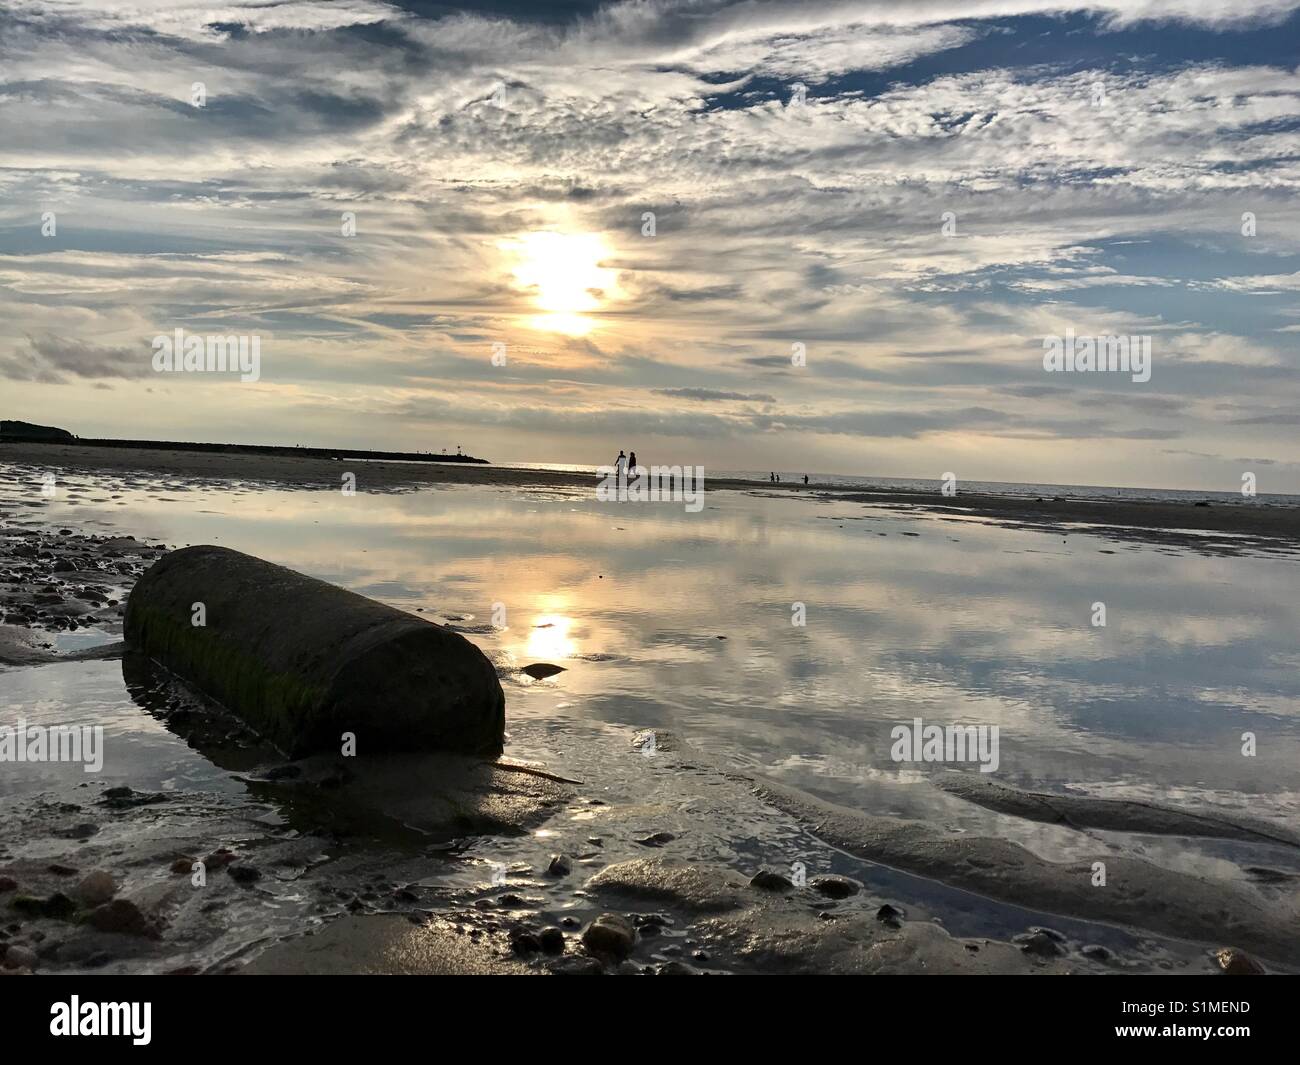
(386,918)
(1216,528)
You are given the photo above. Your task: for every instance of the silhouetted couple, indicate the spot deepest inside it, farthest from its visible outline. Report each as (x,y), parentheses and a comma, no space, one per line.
(623,467)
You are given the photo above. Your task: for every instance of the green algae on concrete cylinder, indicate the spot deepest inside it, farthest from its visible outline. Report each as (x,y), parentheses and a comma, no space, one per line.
(303,661)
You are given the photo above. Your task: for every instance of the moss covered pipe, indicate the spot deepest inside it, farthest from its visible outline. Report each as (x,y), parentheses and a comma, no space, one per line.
(303,661)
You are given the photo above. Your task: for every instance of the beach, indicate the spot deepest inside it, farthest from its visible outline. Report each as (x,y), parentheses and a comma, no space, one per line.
(706,781)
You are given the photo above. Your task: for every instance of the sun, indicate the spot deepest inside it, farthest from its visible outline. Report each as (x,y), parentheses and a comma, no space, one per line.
(565,273)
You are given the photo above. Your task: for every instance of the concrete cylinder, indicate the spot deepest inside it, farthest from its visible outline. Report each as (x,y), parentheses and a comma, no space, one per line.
(303,661)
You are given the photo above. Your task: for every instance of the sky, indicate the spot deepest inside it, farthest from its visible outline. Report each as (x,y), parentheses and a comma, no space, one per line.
(810,236)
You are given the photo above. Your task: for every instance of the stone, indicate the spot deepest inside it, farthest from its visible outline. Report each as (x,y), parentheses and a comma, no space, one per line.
(524,940)
(17,957)
(552,940)
(542,670)
(96,888)
(767,880)
(1238,963)
(243,873)
(1038,944)
(890,915)
(122,916)
(834,887)
(610,934)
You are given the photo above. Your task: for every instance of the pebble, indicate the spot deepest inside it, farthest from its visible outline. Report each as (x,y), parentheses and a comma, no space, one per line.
(1095,951)
(542,670)
(890,915)
(560,865)
(524,940)
(576,965)
(835,887)
(96,888)
(655,839)
(124,916)
(552,940)
(1038,944)
(766,880)
(610,934)
(244,873)
(1236,962)
(57,905)
(19,958)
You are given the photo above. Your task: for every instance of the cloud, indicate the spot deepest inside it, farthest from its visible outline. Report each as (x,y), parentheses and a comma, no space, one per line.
(447,134)
(712,395)
(52,358)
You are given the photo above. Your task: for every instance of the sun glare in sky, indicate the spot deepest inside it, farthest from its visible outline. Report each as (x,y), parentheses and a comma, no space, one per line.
(565,273)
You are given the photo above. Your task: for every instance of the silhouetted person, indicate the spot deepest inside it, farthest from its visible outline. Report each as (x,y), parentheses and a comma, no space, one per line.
(631,464)
(772,477)
(620,468)
(805,478)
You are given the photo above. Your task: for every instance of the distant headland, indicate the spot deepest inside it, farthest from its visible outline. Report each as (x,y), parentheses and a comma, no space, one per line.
(26,432)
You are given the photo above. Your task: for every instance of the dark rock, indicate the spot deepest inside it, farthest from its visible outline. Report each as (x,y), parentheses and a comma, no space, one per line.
(610,934)
(524,940)
(122,916)
(1236,962)
(244,873)
(834,887)
(655,839)
(123,798)
(576,965)
(96,888)
(678,968)
(552,940)
(57,906)
(1038,944)
(890,915)
(17,957)
(1096,952)
(767,880)
(560,865)
(542,670)
(282,772)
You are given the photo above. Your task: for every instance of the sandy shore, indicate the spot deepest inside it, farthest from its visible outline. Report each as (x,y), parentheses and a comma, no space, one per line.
(1217,527)
(388,911)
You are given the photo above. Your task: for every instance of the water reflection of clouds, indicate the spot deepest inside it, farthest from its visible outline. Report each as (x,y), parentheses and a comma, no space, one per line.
(965,622)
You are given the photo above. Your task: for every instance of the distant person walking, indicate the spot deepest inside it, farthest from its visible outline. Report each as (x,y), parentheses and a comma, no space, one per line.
(805,478)
(772,477)
(620,469)
(631,464)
